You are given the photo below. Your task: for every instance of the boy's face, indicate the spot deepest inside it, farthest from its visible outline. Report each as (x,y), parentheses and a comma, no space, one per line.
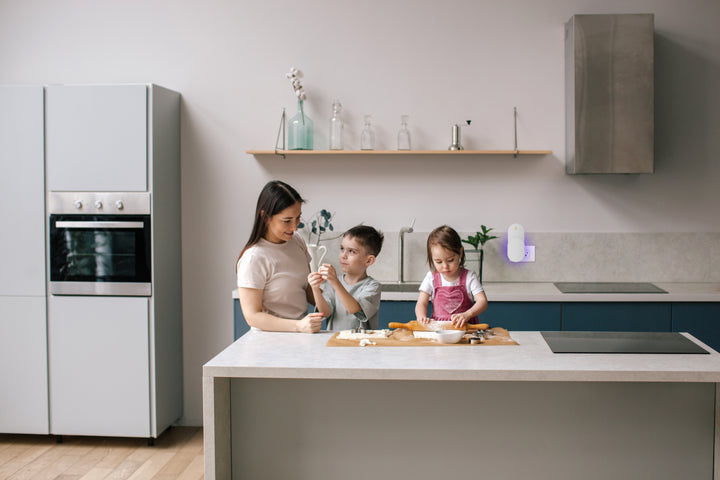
(354,258)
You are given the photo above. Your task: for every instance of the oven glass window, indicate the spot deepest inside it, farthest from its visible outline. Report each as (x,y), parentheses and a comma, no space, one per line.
(100,249)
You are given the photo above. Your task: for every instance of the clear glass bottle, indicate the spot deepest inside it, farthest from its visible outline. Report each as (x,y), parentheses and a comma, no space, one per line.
(367,137)
(336,127)
(300,130)
(403,134)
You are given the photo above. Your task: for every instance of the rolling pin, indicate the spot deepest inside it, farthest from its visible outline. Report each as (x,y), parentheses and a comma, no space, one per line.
(433,325)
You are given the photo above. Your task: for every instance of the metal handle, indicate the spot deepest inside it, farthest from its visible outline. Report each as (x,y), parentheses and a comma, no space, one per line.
(99,224)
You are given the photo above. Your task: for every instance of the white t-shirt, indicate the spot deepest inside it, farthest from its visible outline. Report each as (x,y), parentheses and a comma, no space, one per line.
(280,270)
(472,284)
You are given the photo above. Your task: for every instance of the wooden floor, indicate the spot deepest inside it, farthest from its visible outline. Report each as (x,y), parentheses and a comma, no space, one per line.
(177,454)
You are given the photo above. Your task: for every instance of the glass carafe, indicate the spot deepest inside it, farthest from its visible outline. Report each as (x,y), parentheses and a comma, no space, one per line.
(367,137)
(403,134)
(300,131)
(336,127)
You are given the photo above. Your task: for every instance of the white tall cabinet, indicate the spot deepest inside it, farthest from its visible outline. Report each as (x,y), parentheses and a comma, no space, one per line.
(23,337)
(115,363)
(88,365)
(97,138)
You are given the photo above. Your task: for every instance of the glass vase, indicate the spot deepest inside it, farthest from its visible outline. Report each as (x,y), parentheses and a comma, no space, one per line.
(403,134)
(336,127)
(300,130)
(367,136)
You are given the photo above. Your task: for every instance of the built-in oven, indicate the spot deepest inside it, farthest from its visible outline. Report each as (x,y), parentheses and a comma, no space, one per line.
(100,243)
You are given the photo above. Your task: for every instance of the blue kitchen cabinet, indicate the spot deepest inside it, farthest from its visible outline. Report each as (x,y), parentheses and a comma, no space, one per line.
(240,326)
(616,316)
(700,319)
(510,315)
(396,311)
(529,316)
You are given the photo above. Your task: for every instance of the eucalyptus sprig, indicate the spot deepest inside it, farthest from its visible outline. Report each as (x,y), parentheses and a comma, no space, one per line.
(480,238)
(321,222)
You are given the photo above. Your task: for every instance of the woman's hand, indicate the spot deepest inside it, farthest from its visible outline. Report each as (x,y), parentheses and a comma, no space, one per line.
(311,323)
(315,279)
(459,320)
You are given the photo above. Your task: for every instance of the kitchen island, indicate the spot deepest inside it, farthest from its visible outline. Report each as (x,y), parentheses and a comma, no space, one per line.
(283,405)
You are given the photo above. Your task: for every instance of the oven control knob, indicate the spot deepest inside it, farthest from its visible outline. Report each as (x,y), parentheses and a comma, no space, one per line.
(119,204)
(98,204)
(78,204)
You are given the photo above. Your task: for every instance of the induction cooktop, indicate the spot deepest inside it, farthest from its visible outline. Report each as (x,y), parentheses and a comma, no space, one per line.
(620,342)
(608,287)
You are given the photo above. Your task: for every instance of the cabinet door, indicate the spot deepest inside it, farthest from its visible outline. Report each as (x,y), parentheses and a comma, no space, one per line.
(616,317)
(531,316)
(22,192)
(96,137)
(397,311)
(99,366)
(23,365)
(701,320)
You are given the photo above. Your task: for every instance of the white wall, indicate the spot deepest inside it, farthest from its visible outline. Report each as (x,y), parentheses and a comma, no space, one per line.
(438,61)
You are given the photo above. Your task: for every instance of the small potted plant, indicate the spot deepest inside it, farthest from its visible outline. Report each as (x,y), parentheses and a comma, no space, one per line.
(479,240)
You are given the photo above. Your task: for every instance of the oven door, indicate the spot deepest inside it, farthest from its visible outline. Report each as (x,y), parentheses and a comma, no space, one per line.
(100,255)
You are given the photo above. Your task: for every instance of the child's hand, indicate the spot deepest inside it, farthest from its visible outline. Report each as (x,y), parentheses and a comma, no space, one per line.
(423,320)
(328,273)
(315,279)
(459,320)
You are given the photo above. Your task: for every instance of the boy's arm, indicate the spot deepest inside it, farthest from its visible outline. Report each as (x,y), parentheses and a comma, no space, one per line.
(314,281)
(348,301)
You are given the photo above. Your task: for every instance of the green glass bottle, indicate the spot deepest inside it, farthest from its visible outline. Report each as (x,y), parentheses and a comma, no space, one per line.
(300,131)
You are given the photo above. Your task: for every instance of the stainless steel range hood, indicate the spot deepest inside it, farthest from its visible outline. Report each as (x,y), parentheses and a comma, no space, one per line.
(609,90)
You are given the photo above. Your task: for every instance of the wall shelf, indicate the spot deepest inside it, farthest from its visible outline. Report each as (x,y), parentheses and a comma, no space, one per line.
(397,152)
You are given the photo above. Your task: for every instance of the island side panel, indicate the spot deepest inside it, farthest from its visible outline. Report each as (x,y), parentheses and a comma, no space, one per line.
(352,429)
(716,473)
(216,428)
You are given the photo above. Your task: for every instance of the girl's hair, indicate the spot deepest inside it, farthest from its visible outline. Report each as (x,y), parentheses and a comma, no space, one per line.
(275,197)
(447,238)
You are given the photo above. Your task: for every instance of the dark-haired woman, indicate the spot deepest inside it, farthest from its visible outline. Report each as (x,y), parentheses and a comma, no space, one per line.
(273,267)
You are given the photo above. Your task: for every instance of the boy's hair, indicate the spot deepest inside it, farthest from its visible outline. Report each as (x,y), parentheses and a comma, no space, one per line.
(447,238)
(368,237)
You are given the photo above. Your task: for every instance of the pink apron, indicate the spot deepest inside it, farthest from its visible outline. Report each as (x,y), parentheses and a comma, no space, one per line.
(451,300)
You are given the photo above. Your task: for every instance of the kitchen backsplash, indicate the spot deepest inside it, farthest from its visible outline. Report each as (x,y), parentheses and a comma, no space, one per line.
(577,257)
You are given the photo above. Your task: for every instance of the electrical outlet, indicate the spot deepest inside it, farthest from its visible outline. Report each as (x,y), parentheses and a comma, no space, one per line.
(529,253)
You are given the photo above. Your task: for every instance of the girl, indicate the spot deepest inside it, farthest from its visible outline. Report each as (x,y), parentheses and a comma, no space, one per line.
(273,267)
(456,293)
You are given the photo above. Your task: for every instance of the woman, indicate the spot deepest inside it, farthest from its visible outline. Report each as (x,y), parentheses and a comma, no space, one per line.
(273,267)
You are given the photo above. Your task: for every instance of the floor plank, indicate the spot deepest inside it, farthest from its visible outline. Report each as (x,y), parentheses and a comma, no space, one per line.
(177,454)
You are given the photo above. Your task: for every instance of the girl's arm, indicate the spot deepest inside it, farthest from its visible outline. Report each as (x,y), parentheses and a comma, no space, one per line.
(314,282)
(481,303)
(421,307)
(251,304)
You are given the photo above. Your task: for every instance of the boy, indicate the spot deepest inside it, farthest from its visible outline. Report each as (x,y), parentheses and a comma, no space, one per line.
(352,300)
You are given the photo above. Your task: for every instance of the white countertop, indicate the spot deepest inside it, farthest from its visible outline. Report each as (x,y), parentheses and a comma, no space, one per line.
(547,292)
(261,354)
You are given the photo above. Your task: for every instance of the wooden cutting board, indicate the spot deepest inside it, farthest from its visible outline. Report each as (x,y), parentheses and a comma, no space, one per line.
(403,337)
